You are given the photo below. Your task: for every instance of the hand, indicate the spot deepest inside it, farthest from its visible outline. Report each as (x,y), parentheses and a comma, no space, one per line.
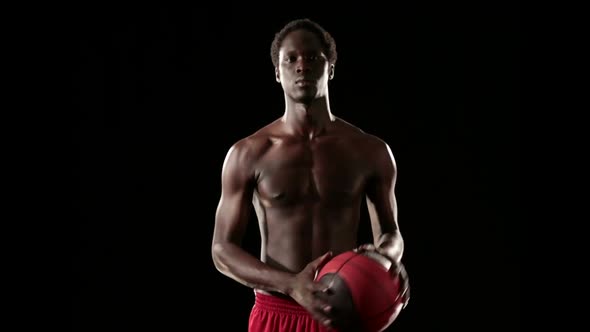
(405,281)
(396,269)
(305,290)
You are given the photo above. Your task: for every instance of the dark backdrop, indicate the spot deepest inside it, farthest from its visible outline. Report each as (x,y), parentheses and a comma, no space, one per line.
(160,94)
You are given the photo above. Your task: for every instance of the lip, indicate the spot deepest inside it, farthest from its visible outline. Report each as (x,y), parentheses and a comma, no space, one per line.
(303,81)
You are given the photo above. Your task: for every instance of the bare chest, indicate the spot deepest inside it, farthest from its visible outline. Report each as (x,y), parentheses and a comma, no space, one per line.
(311,172)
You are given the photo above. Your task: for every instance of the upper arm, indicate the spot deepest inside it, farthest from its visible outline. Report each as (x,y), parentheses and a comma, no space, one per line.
(237,183)
(381,201)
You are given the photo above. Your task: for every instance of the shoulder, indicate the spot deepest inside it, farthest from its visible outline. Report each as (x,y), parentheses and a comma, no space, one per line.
(370,142)
(380,152)
(370,146)
(247,150)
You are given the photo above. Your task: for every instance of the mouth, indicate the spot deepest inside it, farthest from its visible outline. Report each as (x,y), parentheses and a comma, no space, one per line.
(304,82)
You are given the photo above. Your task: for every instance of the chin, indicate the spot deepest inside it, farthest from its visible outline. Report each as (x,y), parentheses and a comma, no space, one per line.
(306,99)
(304,96)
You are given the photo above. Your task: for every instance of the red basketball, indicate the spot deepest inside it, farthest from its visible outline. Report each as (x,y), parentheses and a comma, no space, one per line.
(363,294)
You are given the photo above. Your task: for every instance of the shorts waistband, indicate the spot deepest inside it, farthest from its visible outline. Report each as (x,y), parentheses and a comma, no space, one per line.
(278,304)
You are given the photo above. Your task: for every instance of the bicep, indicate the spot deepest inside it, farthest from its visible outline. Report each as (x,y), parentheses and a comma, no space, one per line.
(381,200)
(233,210)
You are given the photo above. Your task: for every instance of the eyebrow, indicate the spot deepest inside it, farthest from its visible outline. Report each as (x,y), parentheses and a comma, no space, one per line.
(306,51)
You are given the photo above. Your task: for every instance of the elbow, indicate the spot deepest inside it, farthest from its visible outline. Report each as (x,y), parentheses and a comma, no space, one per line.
(398,247)
(392,245)
(217,252)
(401,244)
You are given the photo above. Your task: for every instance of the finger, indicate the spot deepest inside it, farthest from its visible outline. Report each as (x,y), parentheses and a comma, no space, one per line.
(406,278)
(407,288)
(326,309)
(403,275)
(320,317)
(320,302)
(320,261)
(322,311)
(406,297)
(321,289)
(400,270)
(365,247)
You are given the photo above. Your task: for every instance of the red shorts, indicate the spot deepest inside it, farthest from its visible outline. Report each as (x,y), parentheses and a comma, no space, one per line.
(275,314)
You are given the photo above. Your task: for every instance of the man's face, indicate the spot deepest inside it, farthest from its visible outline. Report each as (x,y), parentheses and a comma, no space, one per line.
(303,69)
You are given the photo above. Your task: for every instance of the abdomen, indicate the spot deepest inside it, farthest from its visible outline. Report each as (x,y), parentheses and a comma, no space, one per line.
(294,237)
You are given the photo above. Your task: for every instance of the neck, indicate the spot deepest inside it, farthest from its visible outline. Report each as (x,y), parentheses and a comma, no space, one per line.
(308,119)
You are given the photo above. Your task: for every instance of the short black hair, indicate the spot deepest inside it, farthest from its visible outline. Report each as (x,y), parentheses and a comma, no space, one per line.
(325,37)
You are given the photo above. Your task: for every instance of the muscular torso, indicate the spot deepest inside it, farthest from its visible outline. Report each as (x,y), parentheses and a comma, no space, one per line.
(308,193)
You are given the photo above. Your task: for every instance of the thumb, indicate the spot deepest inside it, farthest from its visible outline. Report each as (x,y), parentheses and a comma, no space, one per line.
(320,261)
(365,247)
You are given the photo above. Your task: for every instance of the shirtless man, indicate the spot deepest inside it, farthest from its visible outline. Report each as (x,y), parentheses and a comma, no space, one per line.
(306,175)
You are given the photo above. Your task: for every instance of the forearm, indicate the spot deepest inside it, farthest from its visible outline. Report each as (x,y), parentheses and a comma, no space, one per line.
(391,245)
(241,266)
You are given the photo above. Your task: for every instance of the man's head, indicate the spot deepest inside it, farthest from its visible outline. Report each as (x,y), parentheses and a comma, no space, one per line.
(328,43)
(304,55)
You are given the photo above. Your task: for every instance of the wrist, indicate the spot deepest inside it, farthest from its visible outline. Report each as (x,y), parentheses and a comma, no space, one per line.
(380,258)
(391,245)
(287,285)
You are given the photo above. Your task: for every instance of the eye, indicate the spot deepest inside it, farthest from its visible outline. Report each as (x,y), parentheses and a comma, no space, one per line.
(290,59)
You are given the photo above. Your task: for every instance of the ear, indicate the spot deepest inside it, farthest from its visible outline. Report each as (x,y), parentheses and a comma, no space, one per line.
(277,76)
(331,74)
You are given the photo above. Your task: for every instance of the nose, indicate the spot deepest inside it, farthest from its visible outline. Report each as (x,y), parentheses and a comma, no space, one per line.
(303,66)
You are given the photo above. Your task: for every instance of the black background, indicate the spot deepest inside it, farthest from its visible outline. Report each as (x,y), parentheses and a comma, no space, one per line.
(160,93)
